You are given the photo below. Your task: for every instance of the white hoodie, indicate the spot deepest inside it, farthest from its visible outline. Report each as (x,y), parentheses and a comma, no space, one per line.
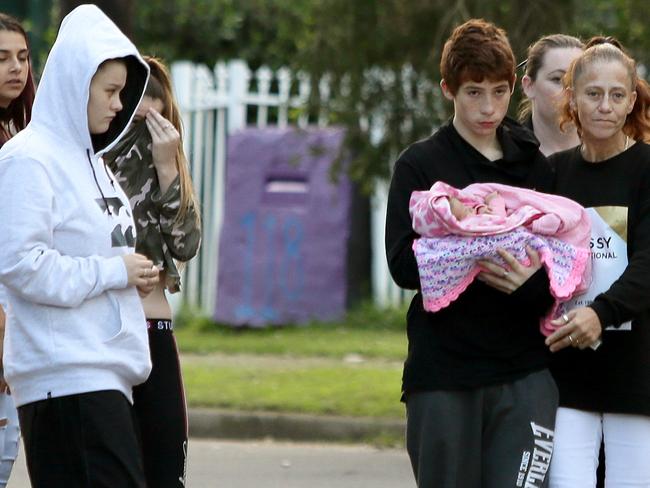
(73,325)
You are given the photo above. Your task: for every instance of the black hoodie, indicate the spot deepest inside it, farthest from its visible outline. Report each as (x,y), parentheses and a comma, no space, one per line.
(485,337)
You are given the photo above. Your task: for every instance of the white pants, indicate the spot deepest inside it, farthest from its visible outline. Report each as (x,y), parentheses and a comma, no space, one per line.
(578,436)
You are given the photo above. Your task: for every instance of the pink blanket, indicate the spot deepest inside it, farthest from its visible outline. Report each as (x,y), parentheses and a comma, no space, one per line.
(447,253)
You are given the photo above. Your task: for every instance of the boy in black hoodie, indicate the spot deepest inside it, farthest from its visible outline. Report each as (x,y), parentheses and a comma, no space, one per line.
(480,401)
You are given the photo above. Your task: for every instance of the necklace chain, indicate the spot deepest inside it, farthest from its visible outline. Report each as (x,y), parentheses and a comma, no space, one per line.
(583,149)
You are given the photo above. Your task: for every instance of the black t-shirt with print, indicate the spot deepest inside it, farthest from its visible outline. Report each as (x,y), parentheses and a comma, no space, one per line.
(616,377)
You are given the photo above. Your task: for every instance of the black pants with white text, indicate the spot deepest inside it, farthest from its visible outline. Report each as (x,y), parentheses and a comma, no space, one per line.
(498,436)
(161,412)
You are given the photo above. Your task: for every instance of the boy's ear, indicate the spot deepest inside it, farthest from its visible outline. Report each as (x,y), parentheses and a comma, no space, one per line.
(445,90)
(526,83)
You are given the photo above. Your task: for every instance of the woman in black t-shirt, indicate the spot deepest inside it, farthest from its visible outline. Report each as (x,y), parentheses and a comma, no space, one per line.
(605,391)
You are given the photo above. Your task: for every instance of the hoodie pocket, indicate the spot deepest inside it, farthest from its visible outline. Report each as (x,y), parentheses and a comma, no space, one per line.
(132,331)
(95,321)
(115,325)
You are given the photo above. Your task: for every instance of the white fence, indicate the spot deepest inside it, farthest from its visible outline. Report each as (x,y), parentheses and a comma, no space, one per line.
(217,102)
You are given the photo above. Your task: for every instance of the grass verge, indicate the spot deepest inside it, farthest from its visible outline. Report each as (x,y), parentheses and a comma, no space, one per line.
(365,391)
(350,368)
(366,331)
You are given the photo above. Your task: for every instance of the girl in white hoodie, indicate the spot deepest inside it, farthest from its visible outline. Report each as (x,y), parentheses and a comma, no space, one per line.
(76,337)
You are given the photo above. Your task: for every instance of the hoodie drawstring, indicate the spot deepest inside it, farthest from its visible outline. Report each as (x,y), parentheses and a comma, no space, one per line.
(108,209)
(108,175)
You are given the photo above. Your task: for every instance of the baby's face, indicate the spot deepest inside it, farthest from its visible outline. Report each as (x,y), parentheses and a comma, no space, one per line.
(458,209)
(491,196)
(147,103)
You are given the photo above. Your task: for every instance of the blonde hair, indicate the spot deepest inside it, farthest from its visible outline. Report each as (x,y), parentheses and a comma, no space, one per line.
(160,87)
(535,60)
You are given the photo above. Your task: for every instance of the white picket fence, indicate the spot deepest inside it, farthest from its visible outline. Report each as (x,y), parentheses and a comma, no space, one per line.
(217,102)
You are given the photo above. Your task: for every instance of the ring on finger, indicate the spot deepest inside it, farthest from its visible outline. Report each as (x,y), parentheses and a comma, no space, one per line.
(571,340)
(565,317)
(505,273)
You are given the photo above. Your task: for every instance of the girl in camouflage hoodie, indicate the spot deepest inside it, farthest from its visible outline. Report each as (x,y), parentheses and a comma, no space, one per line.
(151,167)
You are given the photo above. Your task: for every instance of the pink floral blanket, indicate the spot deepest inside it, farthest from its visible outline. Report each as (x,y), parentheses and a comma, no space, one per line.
(447,253)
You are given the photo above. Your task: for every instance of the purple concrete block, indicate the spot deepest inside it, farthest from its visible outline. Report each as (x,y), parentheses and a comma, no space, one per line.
(284,241)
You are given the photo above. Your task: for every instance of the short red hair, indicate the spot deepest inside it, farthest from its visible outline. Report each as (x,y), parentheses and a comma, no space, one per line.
(477,50)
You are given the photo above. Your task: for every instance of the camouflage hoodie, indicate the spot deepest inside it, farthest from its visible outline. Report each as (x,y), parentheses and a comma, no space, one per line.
(160,236)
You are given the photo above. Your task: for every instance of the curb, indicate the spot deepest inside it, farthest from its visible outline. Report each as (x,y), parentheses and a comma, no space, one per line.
(224,424)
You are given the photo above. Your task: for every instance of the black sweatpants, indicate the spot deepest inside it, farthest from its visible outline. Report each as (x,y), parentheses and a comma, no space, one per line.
(161,412)
(82,441)
(492,437)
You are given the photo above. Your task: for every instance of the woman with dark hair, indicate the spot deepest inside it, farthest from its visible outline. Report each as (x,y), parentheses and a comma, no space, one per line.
(16,99)
(16,81)
(547,61)
(605,392)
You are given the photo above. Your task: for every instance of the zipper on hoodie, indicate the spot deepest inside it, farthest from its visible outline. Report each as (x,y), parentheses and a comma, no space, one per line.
(108,209)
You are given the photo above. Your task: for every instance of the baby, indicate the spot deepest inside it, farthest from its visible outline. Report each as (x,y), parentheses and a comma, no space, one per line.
(458,228)
(494,204)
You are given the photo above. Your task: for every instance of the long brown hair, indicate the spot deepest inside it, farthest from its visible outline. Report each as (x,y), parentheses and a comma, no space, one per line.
(19,112)
(535,60)
(160,87)
(637,123)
